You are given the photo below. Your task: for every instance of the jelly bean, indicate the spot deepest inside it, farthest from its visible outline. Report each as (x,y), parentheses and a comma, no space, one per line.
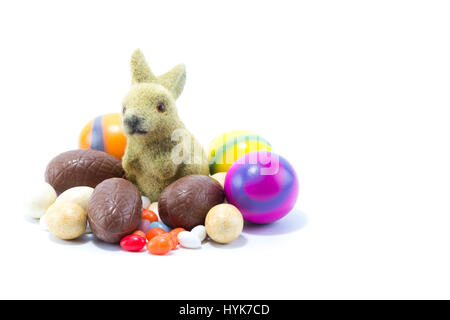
(189,240)
(154,232)
(133,242)
(140,233)
(149,215)
(200,232)
(145,202)
(173,239)
(159,225)
(176,231)
(159,245)
(144,225)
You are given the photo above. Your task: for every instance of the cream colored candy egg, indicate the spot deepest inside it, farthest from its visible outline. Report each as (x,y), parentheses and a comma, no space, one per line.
(78,195)
(224,223)
(154,207)
(66,220)
(39,198)
(220,177)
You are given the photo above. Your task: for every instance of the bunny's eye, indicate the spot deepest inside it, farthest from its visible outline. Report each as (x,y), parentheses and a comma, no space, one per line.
(124,109)
(161,107)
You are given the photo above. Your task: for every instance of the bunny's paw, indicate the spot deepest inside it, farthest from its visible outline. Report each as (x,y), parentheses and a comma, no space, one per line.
(164,168)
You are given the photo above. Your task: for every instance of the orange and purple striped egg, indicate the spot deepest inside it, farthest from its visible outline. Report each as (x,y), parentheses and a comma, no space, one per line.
(104,133)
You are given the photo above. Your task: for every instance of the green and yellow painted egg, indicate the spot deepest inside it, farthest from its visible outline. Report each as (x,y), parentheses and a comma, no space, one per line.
(231,145)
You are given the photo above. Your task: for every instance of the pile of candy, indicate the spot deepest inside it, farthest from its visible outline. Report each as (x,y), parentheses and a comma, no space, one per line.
(86,191)
(161,239)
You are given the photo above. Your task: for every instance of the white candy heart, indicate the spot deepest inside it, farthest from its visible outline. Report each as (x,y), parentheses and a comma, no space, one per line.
(189,240)
(145,202)
(200,232)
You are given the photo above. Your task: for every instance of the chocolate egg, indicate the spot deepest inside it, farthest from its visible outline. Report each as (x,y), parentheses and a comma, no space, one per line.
(82,167)
(186,202)
(114,209)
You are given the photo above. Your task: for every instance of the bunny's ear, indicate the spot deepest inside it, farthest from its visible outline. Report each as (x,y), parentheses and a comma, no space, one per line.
(140,71)
(174,80)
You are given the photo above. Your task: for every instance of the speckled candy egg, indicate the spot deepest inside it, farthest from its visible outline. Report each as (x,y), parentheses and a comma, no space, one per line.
(263,186)
(230,146)
(224,223)
(66,220)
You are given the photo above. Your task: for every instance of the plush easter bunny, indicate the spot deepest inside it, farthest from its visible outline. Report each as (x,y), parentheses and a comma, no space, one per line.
(159,148)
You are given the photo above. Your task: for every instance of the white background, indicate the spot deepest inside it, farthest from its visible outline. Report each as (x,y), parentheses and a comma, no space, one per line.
(355,94)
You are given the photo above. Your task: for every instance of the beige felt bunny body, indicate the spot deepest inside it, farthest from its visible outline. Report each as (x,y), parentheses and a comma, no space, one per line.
(159,148)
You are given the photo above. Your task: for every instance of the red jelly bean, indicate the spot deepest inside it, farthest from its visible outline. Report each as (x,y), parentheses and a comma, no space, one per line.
(133,242)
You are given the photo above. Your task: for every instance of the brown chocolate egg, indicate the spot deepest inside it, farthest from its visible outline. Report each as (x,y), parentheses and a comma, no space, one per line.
(114,209)
(81,167)
(186,202)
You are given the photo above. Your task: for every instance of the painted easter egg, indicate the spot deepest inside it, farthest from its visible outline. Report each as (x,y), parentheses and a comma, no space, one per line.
(104,133)
(230,146)
(263,186)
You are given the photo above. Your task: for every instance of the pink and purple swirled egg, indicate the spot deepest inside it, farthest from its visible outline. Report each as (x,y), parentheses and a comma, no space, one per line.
(262,185)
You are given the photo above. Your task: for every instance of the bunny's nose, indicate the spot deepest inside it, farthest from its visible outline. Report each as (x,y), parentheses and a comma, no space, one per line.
(133,123)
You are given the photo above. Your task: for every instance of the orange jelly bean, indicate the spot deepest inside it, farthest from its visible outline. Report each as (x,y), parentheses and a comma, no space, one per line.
(160,245)
(176,231)
(154,232)
(173,240)
(140,233)
(149,215)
